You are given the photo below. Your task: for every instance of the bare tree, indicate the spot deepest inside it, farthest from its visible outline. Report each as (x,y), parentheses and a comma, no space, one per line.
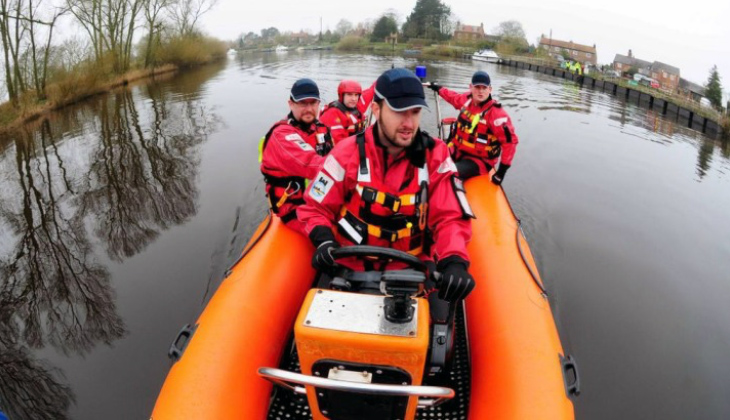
(152,11)
(343,27)
(110,25)
(12,32)
(185,14)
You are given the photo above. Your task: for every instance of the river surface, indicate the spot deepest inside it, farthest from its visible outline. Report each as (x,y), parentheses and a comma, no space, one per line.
(119,215)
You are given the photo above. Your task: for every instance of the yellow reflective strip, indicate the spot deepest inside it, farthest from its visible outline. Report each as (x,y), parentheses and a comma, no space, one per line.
(261,149)
(474,122)
(408,199)
(416,251)
(374,230)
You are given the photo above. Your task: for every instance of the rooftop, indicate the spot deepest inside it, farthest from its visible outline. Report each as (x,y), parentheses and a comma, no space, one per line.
(569,45)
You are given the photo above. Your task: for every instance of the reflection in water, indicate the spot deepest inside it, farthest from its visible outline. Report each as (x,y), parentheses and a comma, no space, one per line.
(140,180)
(133,176)
(704,157)
(29,388)
(60,295)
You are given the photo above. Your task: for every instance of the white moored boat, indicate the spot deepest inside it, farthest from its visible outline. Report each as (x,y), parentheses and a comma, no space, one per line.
(485,55)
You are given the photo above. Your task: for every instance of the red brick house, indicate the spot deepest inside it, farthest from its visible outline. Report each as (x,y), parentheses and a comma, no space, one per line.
(577,52)
(468,32)
(301,37)
(668,76)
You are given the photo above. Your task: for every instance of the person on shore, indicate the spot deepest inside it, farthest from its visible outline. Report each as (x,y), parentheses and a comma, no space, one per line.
(483,133)
(292,152)
(392,186)
(346,116)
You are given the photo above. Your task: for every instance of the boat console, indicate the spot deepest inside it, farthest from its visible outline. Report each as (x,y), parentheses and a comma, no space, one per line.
(363,356)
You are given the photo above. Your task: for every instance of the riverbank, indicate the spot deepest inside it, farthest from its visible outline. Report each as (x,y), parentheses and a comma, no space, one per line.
(93,78)
(685,111)
(75,89)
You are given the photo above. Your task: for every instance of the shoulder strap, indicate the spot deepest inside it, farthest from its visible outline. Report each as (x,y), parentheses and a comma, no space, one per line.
(360,140)
(271,130)
(339,105)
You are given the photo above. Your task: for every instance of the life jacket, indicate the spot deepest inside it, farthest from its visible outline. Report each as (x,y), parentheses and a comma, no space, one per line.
(471,135)
(377,215)
(290,189)
(355,122)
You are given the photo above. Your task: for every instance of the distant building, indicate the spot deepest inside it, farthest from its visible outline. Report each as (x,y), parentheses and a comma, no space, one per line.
(665,74)
(576,52)
(690,90)
(468,32)
(301,37)
(392,38)
(622,64)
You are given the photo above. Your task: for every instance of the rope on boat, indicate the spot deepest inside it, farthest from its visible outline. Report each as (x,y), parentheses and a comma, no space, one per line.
(519,232)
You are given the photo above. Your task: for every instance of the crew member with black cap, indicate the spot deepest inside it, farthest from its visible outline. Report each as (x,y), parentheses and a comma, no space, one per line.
(292,152)
(483,132)
(392,186)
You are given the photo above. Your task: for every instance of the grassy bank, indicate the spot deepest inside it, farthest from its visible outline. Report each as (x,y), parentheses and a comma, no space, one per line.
(95,77)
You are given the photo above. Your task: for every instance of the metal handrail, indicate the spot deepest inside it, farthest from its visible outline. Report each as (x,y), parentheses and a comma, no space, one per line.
(434,395)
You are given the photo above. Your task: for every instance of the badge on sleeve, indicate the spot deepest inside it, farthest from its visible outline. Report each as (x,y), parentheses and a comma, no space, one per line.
(333,167)
(447,165)
(296,138)
(320,187)
(460,192)
(500,121)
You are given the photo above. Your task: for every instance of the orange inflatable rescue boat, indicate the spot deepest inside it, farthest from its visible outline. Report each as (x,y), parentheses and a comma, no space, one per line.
(363,346)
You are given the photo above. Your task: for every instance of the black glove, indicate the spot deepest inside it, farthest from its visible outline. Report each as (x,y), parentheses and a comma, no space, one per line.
(323,238)
(434,86)
(322,259)
(498,176)
(456,282)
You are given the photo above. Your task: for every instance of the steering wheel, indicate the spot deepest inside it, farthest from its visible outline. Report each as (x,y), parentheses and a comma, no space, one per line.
(379,254)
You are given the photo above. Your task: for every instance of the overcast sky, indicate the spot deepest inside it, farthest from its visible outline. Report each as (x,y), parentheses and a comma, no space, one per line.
(692,36)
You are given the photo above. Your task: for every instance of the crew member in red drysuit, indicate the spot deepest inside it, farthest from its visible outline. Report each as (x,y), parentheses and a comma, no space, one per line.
(292,152)
(393,186)
(346,116)
(483,133)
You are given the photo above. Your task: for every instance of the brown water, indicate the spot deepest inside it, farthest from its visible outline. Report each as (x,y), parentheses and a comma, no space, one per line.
(119,215)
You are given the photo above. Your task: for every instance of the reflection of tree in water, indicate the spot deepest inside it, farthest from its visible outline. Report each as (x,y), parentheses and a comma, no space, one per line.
(60,294)
(29,388)
(135,180)
(704,156)
(142,178)
(725,147)
(52,291)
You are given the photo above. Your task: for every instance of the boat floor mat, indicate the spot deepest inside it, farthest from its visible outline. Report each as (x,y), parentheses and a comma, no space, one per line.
(285,405)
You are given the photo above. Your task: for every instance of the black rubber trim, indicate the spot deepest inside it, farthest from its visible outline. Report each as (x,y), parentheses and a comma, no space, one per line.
(571,379)
(180,343)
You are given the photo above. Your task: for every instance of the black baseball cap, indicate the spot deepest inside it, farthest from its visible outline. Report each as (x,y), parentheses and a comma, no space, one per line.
(304,89)
(401,89)
(481,78)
